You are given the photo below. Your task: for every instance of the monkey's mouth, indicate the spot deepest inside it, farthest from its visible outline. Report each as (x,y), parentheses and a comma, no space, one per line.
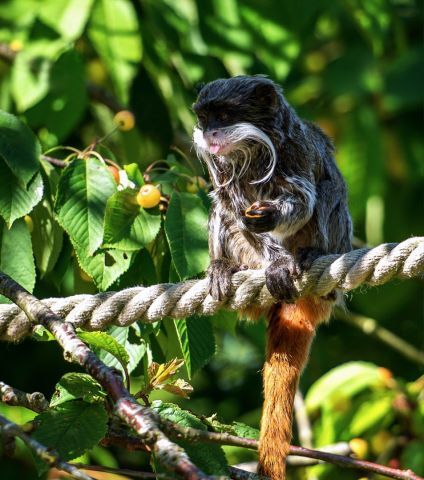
(219,148)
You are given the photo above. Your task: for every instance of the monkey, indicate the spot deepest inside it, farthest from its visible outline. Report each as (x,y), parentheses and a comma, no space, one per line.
(278,202)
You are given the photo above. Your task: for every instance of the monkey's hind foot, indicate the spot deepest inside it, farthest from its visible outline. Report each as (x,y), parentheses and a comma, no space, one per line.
(220,273)
(279,278)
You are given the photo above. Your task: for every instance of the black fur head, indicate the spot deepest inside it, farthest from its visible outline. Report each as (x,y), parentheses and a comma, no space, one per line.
(224,102)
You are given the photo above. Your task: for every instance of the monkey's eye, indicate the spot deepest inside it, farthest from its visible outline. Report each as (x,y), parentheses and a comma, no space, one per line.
(202,118)
(222,116)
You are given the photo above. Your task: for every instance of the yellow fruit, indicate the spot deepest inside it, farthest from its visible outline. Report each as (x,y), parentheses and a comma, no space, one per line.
(380,440)
(196,184)
(359,447)
(125,120)
(148,196)
(16,45)
(115,172)
(96,72)
(29,223)
(385,373)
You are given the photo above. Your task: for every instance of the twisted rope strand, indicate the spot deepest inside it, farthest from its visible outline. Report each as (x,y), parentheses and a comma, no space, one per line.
(370,266)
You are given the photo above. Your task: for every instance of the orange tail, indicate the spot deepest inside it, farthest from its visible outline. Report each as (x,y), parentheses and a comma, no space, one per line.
(291,328)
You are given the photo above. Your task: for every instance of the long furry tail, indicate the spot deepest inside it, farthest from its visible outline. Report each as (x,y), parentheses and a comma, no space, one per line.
(291,328)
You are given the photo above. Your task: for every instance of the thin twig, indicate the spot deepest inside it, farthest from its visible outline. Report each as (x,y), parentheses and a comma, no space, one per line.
(45,454)
(35,401)
(371,327)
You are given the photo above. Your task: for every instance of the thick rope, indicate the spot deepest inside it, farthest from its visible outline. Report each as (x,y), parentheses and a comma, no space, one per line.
(149,304)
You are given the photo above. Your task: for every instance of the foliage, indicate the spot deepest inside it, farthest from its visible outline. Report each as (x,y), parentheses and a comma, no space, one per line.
(66,68)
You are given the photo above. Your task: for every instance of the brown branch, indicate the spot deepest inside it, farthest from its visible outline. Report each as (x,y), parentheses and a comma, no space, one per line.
(55,161)
(10,429)
(124,471)
(239,474)
(35,401)
(141,419)
(371,327)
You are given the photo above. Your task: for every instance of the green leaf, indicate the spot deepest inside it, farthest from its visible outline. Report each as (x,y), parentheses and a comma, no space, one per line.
(129,340)
(187,233)
(31,72)
(105,266)
(413,456)
(106,342)
(16,257)
(66,17)
(375,411)
(74,386)
(134,174)
(127,225)
(63,107)
(15,199)
(19,148)
(343,381)
(71,428)
(114,31)
(235,428)
(84,188)
(210,458)
(191,338)
(47,237)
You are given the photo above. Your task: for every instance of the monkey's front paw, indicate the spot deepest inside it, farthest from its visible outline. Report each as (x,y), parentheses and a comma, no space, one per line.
(307,255)
(220,273)
(280,277)
(261,217)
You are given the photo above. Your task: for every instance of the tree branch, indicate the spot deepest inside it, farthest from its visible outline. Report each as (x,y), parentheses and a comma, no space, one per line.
(369,326)
(141,419)
(35,401)
(45,454)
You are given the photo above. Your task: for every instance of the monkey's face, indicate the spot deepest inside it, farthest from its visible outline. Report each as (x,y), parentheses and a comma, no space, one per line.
(223,105)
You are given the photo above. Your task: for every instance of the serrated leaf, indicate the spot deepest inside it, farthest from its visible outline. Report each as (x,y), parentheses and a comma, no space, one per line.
(193,339)
(127,225)
(63,107)
(105,266)
(16,200)
(83,191)
(106,342)
(47,237)
(31,72)
(179,387)
(187,233)
(71,429)
(343,381)
(210,458)
(73,386)
(235,428)
(66,17)
(129,339)
(114,32)
(19,148)
(16,258)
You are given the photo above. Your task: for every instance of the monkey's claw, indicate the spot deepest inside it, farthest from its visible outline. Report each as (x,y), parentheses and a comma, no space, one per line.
(220,273)
(261,217)
(279,279)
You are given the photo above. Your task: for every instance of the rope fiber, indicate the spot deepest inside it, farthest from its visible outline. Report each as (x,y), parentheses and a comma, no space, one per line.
(365,266)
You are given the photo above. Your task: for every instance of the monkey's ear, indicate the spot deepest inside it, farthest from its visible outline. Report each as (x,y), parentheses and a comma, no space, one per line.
(198,87)
(266,93)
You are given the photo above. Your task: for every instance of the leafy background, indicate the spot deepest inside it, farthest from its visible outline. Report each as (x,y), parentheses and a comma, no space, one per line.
(353,66)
